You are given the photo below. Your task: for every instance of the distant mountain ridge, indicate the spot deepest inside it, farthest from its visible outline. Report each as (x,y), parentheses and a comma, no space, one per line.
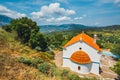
(63,27)
(4,20)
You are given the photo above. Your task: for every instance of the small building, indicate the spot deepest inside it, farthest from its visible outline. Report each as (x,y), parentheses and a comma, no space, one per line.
(82,55)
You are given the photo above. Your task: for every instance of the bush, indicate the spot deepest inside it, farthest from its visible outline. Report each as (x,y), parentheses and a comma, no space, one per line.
(38,48)
(116,49)
(50,54)
(24,28)
(7,28)
(34,62)
(28,33)
(50,51)
(116,68)
(37,41)
(74,77)
(47,69)
(64,72)
(44,68)
(25,60)
(53,71)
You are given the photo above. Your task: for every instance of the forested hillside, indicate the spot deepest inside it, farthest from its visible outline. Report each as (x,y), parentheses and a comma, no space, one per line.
(106,36)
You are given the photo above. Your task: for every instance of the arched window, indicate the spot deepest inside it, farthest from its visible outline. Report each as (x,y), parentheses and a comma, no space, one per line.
(78,67)
(80,48)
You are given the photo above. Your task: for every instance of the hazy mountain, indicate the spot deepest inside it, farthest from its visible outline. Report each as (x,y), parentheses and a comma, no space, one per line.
(63,27)
(111,27)
(4,20)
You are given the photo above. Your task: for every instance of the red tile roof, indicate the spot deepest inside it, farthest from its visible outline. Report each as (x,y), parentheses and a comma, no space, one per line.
(85,38)
(80,57)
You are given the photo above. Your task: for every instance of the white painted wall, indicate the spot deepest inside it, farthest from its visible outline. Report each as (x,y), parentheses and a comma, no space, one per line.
(95,68)
(84,69)
(93,53)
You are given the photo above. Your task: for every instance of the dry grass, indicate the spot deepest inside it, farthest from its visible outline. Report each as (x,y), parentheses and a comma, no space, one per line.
(10,69)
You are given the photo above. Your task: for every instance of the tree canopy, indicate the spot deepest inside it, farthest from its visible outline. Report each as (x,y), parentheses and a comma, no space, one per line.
(28,32)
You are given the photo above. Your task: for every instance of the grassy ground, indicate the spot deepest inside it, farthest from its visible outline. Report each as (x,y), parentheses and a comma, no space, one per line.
(10,68)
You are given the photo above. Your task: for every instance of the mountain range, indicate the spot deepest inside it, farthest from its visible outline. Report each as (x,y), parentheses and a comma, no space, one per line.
(4,20)
(63,27)
(47,28)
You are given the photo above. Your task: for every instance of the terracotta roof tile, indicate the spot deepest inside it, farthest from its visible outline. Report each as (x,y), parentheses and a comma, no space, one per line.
(80,57)
(85,38)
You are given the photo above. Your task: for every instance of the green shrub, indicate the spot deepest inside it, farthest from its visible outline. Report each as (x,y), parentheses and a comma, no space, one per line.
(50,55)
(7,28)
(50,51)
(25,60)
(38,48)
(74,77)
(29,61)
(37,61)
(44,68)
(28,33)
(116,68)
(53,71)
(38,42)
(64,72)
(48,69)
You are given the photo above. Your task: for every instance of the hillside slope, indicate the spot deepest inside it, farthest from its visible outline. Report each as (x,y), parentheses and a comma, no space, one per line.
(10,67)
(20,62)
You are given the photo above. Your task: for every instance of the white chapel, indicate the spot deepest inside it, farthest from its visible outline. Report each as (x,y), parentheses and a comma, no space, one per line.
(82,54)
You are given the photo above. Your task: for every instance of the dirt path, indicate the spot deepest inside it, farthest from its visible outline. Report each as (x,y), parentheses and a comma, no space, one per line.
(106,63)
(58,59)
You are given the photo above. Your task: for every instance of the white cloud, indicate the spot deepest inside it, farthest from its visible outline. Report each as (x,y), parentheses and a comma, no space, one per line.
(70,12)
(96,23)
(110,1)
(63,18)
(78,18)
(117,1)
(59,19)
(82,17)
(10,13)
(51,19)
(53,12)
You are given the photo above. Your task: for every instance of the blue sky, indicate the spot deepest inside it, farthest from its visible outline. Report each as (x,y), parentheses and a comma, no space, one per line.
(86,12)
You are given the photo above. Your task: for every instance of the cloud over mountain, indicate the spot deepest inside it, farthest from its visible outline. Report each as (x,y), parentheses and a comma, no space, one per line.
(5,11)
(53,12)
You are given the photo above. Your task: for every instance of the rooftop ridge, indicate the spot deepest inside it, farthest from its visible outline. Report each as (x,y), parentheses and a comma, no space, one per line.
(85,38)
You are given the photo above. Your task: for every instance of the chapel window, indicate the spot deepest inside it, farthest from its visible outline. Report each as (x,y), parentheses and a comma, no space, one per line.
(80,48)
(78,67)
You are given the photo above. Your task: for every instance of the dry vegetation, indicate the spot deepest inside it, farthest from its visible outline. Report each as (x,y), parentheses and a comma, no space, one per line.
(10,69)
